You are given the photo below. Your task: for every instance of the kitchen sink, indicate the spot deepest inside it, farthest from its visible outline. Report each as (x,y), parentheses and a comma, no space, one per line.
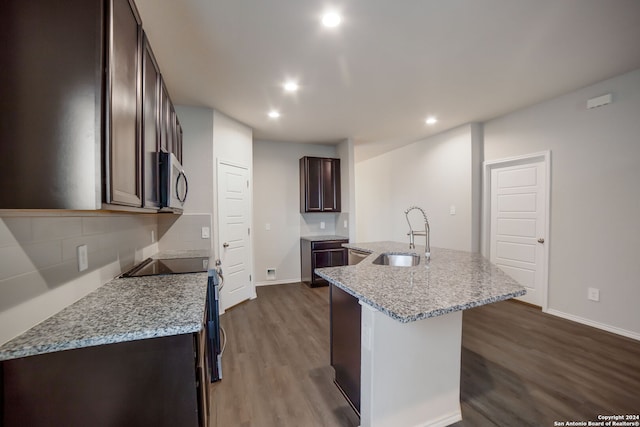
(397,260)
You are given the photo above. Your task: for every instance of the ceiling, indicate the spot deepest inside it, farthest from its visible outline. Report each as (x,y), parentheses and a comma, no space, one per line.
(377,77)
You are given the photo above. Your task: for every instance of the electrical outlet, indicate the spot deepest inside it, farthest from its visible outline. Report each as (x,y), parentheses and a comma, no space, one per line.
(205,232)
(83,258)
(593,294)
(321,225)
(452,210)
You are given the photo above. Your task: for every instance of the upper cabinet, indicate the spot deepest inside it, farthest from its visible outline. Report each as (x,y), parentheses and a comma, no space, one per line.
(51,81)
(124,171)
(83,107)
(150,127)
(319,184)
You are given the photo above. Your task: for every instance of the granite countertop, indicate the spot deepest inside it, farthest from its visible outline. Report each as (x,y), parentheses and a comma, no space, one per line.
(451,281)
(124,309)
(323,238)
(187,253)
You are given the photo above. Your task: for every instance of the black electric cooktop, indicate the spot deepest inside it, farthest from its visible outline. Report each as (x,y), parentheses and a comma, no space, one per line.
(156,267)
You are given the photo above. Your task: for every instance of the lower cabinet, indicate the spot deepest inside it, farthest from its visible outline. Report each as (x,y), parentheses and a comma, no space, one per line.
(345,344)
(320,253)
(151,382)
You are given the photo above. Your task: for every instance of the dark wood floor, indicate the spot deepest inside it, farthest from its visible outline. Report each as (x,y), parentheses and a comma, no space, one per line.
(520,367)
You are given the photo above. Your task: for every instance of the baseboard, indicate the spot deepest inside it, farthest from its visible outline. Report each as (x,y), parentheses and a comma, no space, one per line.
(444,421)
(277,282)
(588,322)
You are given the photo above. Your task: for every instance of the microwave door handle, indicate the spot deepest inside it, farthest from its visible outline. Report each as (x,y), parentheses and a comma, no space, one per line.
(186,187)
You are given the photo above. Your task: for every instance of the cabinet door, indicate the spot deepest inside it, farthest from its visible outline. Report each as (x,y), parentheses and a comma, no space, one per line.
(124,111)
(178,139)
(330,185)
(51,97)
(166,134)
(311,169)
(319,184)
(173,131)
(327,258)
(150,127)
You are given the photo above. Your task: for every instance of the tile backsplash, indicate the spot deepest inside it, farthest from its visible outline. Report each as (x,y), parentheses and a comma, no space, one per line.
(184,231)
(38,260)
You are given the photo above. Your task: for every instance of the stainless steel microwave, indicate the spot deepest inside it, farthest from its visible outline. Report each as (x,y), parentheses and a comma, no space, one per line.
(174,186)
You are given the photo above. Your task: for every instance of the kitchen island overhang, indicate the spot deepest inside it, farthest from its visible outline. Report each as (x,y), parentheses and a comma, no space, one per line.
(412,329)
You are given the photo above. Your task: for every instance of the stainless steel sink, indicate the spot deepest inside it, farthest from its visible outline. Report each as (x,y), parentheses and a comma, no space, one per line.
(397,260)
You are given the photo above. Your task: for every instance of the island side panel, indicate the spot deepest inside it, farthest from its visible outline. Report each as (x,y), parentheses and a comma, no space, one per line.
(410,371)
(345,344)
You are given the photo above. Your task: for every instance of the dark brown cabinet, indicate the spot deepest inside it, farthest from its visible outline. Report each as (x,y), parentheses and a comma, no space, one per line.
(124,172)
(319,184)
(320,253)
(148,382)
(51,100)
(81,105)
(150,127)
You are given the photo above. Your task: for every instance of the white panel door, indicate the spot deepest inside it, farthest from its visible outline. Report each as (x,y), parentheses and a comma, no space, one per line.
(233,234)
(518,226)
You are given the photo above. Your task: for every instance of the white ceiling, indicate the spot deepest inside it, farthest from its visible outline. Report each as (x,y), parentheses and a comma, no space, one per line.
(391,64)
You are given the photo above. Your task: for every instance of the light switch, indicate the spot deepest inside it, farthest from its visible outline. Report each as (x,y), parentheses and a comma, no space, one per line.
(452,210)
(321,225)
(267,226)
(345,223)
(206,233)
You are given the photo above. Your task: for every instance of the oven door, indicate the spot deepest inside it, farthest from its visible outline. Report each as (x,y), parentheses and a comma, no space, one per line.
(174,184)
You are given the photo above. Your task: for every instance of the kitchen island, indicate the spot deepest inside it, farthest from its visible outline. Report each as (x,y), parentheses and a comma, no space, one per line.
(132,352)
(411,329)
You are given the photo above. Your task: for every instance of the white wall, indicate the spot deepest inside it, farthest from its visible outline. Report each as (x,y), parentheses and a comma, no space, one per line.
(595,197)
(277,202)
(435,174)
(346,152)
(39,264)
(185,231)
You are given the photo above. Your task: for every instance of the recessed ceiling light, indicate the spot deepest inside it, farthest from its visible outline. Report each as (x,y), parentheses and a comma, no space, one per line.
(331,19)
(431,120)
(291,86)
(274,114)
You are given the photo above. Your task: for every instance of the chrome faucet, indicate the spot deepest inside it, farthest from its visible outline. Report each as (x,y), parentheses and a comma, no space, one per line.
(425,233)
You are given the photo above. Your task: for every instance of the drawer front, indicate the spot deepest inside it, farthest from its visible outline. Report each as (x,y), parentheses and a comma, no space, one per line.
(329,258)
(328,244)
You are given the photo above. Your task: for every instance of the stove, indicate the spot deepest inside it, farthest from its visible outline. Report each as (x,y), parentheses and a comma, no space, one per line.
(157,267)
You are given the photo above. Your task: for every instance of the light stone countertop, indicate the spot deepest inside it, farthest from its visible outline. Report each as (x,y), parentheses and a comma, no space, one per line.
(124,309)
(323,238)
(186,253)
(451,281)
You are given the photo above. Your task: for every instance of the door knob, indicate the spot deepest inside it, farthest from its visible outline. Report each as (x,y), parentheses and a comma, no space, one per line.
(541,240)
(225,245)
